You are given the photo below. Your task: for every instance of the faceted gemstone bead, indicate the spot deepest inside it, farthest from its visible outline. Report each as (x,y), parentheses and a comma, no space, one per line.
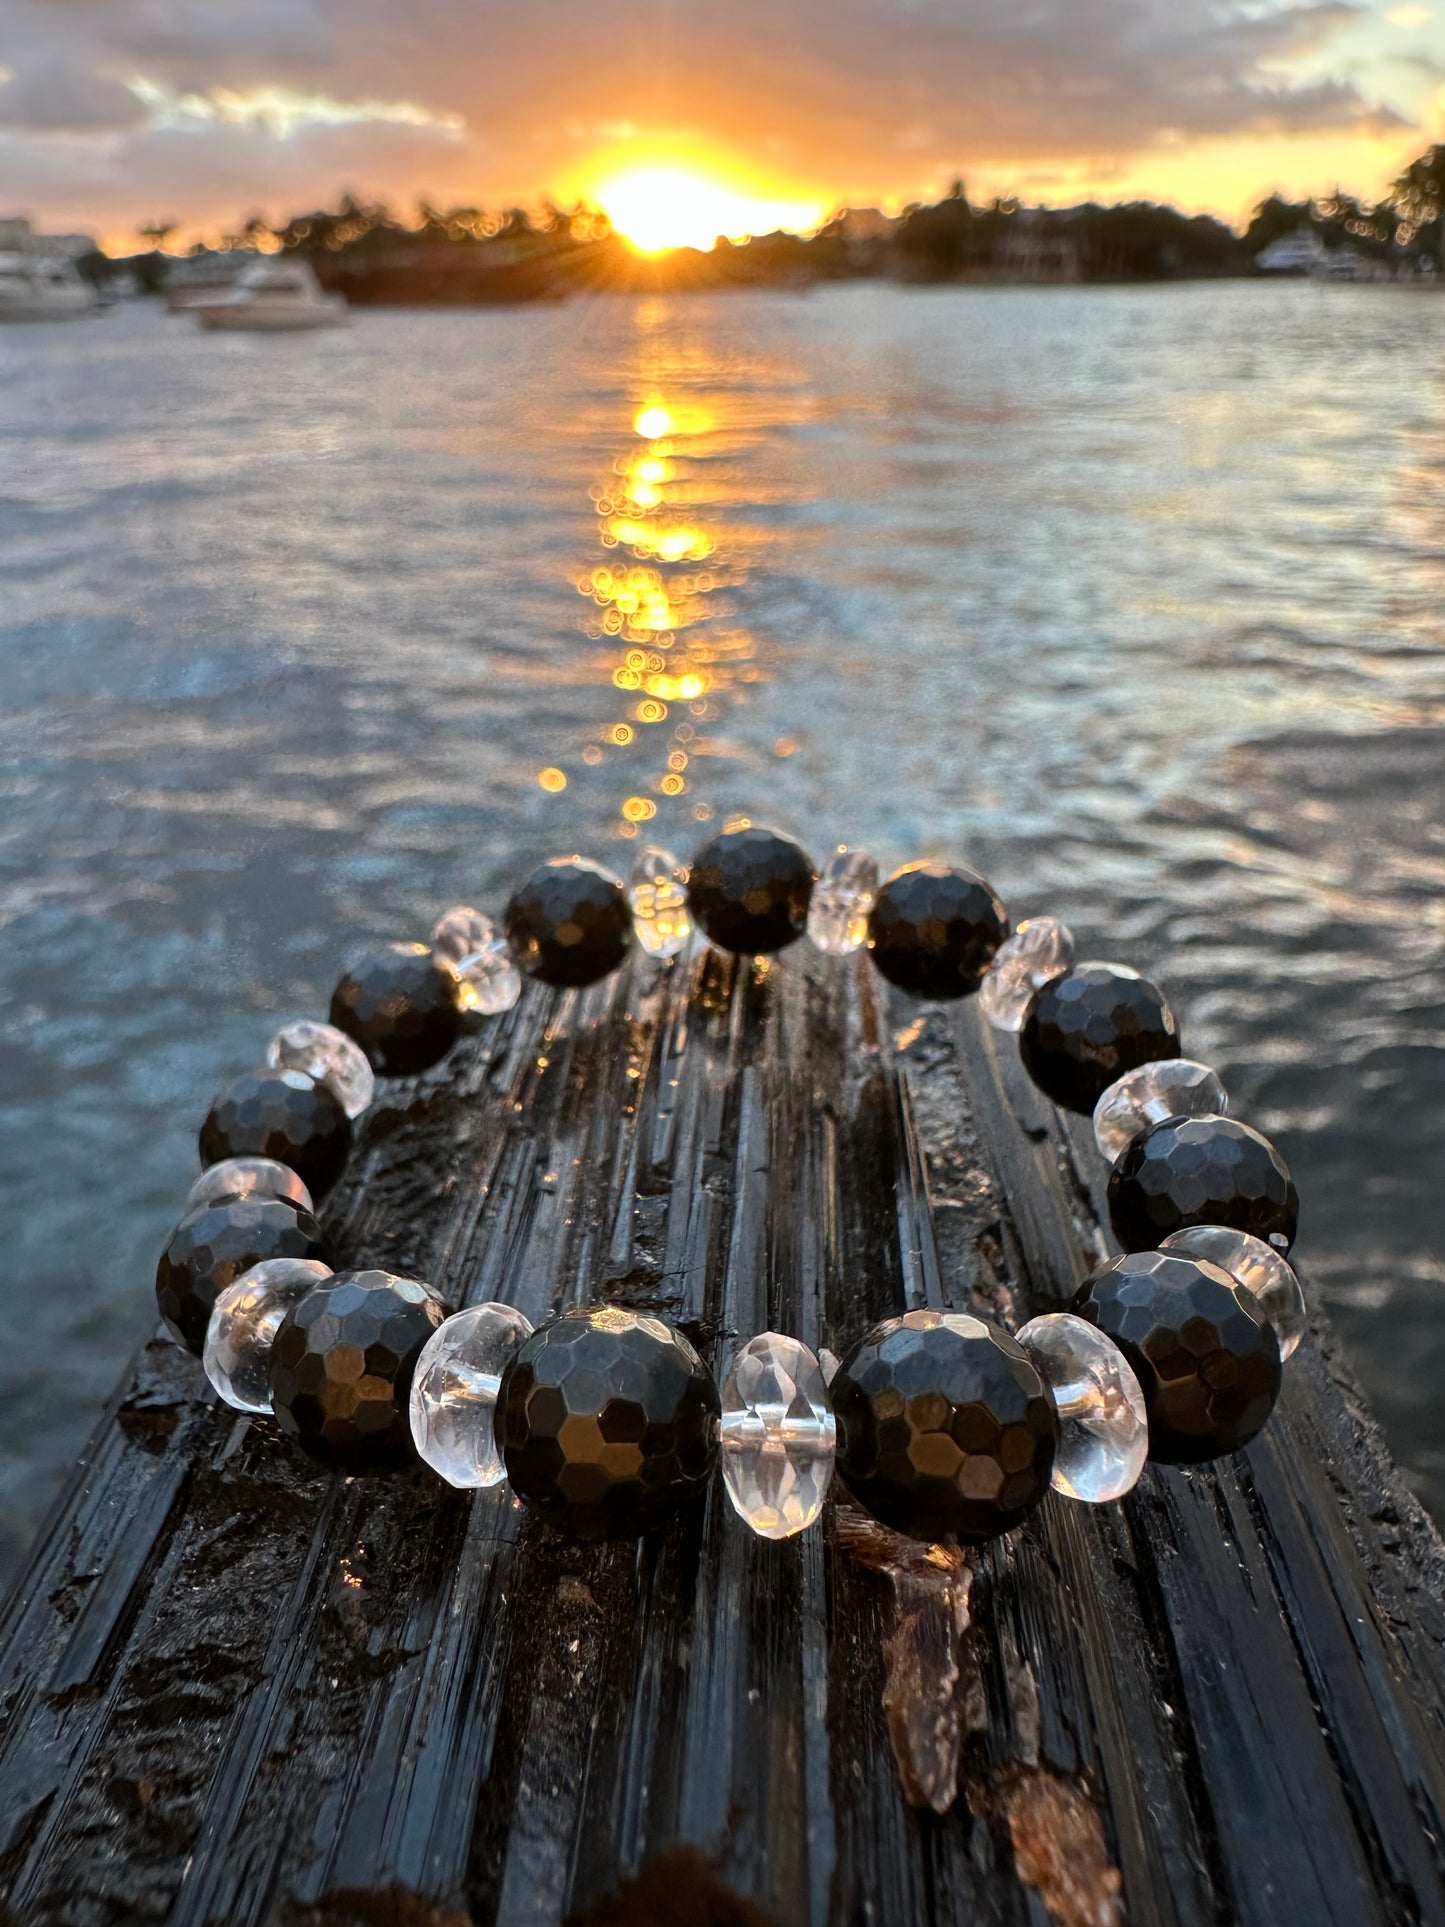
(454,1393)
(1040,949)
(657,892)
(1201,1170)
(211,1247)
(476,953)
(1085,1029)
(400,1004)
(330,1057)
(750,888)
(342,1364)
(778,1437)
(285,1116)
(1203,1351)
(946,1431)
(244,1324)
(934,929)
(1268,1277)
(569,924)
(1103,1424)
(607,1421)
(248,1178)
(842,898)
(1171,1087)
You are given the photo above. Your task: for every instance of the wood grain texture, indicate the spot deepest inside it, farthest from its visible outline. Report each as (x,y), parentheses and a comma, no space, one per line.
(236,1690)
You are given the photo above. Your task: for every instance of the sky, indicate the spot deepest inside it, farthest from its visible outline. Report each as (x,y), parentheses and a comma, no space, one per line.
(118,112)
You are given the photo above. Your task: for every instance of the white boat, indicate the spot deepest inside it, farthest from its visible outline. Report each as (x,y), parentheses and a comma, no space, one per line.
(271,297)
(36,288)
(1302,252)
(203,277)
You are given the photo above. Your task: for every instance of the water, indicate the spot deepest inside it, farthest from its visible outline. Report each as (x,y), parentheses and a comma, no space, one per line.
(1133,597)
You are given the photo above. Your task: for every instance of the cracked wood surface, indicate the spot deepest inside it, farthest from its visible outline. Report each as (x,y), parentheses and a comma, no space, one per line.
(236,1690)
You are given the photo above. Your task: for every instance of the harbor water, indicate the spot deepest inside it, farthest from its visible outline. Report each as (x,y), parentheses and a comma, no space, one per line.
(1132,598)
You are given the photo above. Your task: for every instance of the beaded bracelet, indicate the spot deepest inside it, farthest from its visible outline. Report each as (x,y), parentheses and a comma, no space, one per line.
(604,1420)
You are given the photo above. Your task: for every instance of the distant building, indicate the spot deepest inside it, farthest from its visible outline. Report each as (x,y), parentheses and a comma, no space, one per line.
(1033,249)
(863,231)
(1348,264)
(17,236)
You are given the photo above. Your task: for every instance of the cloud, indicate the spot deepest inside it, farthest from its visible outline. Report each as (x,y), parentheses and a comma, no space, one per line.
(63,95)
(492,100)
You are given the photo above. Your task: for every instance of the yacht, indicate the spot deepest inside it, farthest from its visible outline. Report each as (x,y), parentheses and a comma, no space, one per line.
(272,296)
(34,288)
(203,277)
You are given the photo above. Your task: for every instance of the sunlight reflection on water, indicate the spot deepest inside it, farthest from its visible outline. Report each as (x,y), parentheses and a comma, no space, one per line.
(1133,597)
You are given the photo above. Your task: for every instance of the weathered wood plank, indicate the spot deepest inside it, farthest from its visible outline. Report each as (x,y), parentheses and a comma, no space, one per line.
(235,1689)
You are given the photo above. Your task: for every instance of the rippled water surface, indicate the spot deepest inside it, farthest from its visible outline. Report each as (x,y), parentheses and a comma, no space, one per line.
(1133,597)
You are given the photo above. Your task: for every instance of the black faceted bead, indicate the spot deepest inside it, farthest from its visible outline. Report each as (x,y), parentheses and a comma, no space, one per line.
(282,1115)
(946,1431)
(934,928)
(569,924)
(749,890)
(1201,1170)
(342,1365)
(1205,1355)
(607,1420)
(1085,1029)
(214,1244)
(401,1006)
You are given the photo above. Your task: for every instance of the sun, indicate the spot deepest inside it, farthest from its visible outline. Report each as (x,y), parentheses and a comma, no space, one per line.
(660,207)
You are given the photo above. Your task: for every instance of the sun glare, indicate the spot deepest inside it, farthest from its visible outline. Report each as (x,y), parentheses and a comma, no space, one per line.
(658,208)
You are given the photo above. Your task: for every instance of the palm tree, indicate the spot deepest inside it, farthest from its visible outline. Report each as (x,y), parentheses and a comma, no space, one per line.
(158,233)
(1418,197)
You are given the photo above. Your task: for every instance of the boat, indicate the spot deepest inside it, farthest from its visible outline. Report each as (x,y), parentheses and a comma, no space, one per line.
(37,288)
(1302,252)
(203,277)
(271,297)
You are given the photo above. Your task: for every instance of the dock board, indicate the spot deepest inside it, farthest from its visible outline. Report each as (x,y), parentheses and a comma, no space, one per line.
(234,1689)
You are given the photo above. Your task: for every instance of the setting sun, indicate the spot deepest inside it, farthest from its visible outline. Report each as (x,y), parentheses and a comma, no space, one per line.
(657,208)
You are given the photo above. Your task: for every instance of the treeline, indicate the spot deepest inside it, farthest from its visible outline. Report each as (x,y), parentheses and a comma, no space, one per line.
(1141,240)
(468,254)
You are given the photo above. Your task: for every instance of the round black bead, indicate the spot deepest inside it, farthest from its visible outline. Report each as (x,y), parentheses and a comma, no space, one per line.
(607,1420)
(401,1006)
(214,1244)
(946,1431)
(1201,1170)
(934,928)
(1085,1029)
(342,1365)
(281,1115)
(749,890)
(1205,1355)
(569,924)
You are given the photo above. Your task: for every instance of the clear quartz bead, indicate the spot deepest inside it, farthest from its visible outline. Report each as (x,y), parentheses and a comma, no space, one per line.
(244,1323)
(469,944)
(327,1056)
(778,1435)
(1040,949)
(657,894)
(1103,1426)
(1264,1273)
(1172,1087)
(841,899)
(454,1392)
(247,1178)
